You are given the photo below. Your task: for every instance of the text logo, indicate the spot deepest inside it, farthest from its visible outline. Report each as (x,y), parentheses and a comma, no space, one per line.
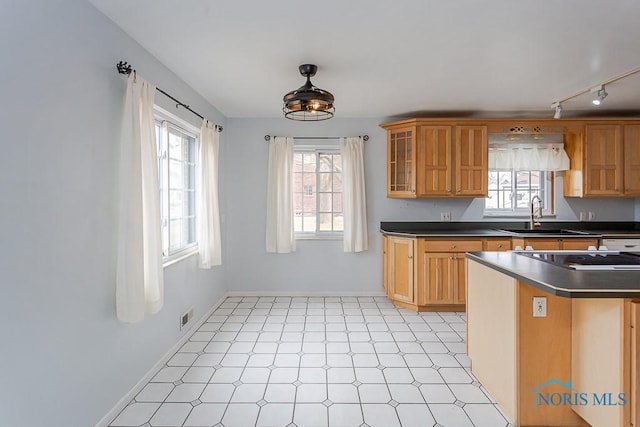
(556,393)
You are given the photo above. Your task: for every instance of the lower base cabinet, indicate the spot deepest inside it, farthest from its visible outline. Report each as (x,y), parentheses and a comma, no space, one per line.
(429,274)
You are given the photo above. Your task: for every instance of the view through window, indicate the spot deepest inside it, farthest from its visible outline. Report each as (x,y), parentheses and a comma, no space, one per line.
(510,192)
(317,191)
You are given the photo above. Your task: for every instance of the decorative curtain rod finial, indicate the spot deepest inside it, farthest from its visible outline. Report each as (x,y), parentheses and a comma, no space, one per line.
(124,67)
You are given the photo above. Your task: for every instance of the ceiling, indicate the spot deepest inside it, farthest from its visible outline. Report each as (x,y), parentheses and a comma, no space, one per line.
(398,58)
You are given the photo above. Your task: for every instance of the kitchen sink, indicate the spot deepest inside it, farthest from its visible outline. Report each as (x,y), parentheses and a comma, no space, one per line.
(560,231)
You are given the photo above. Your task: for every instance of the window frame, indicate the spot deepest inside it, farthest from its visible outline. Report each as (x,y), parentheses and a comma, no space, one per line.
(318,234)
(548,210)
(166,121)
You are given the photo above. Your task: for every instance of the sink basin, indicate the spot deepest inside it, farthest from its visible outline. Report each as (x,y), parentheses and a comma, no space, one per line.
(560,231)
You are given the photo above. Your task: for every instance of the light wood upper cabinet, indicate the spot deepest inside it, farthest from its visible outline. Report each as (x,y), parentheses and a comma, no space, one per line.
(471,165)
(434,161)
(631,160)
(605,161)
(401,162)
(437,160)
(603,158)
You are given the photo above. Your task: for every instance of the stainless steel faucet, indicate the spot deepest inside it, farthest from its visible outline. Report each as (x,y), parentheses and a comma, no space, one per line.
(534,220)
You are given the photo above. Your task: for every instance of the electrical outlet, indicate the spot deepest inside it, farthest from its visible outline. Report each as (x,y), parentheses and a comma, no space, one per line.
(445,216)
(592,216)
(186,317)
(539,306)
(583,216)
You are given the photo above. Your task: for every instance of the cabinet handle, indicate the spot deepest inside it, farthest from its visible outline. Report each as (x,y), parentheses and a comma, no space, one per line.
(499,245)
(453,246)
(410,256)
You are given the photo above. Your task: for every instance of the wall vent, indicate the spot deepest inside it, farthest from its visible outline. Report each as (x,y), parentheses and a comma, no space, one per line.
(186,318)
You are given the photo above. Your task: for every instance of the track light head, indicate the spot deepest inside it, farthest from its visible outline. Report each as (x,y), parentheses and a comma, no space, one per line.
(601,94)
(558,112)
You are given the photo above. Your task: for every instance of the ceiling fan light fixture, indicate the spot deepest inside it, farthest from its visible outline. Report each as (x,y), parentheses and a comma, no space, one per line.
(601,94)
(308,103)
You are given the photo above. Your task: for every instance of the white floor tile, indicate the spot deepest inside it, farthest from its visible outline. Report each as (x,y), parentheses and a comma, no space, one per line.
(170,414)
(398,375)
(405,393)
(198,374)
(311,415)
(469,393)
(135,414)
(284,375)
(275,415)
(437,393)
(374,393)
(154,392)
(345,415)
(255,375)
(450,415)
(205,415)
(369,375)
(318,362)
(217,393)
(377,415)
(485,415)
(343,393)
(186,393)
(340,375)
(240,415)
(280,393)
(415,415)
(311,393)
(249,393)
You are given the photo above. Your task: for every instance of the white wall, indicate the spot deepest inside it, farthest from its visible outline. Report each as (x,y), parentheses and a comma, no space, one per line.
(65,359)
(321,266)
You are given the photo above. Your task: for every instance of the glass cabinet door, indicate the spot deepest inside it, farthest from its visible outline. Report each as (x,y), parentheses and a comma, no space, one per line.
(401,166)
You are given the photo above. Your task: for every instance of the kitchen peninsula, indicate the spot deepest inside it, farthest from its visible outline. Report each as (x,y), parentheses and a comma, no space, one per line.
(554,346)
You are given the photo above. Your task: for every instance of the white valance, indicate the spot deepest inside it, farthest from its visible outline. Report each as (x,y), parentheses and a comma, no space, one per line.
(528,156)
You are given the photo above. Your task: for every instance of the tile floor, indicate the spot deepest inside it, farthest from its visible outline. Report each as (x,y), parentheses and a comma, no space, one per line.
(317,362)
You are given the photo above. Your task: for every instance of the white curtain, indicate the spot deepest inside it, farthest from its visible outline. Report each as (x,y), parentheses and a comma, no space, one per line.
(139,274)
(279,236)
(208,211)
(528,156)
(354,202)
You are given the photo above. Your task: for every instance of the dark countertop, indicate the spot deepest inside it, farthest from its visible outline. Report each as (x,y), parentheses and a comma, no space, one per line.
(495,229)
(561,281)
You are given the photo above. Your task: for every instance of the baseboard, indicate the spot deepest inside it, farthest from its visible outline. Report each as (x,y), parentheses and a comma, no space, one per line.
(303,294)
(122,403)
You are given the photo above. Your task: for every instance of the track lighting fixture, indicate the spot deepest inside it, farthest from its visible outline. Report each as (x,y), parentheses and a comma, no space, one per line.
(601,94)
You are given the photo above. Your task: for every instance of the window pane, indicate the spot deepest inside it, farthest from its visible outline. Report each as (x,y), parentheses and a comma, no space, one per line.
(309,162)
(177,204)
(176,233)
(337,163)
(176,174)
(338,223)
(337,182)
(325,182)
(326,163)
(337,202)
(175,146)
(309,223)
(325,202)
(325,222)
(297,162)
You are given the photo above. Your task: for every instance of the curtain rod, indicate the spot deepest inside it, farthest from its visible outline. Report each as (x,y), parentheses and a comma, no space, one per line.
(125,68)
(364,138)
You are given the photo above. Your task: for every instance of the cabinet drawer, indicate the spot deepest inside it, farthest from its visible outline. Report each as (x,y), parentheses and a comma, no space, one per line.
(451,245)
(497,244)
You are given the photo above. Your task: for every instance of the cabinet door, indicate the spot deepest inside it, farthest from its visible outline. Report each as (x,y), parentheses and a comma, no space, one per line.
(434,161)
(385,269)
(436,278)
(578,244)
(400,266)
(401,156)
(634,372)
(632,160)
(471,161)
(603,160)
(459,279)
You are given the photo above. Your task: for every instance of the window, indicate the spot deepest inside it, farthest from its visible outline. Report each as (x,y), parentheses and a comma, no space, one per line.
(510,192)
(317,192)
(177,157)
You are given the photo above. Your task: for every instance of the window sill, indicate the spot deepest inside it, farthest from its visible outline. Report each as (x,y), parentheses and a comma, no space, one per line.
(515,215)
(318,237)
(175,258)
